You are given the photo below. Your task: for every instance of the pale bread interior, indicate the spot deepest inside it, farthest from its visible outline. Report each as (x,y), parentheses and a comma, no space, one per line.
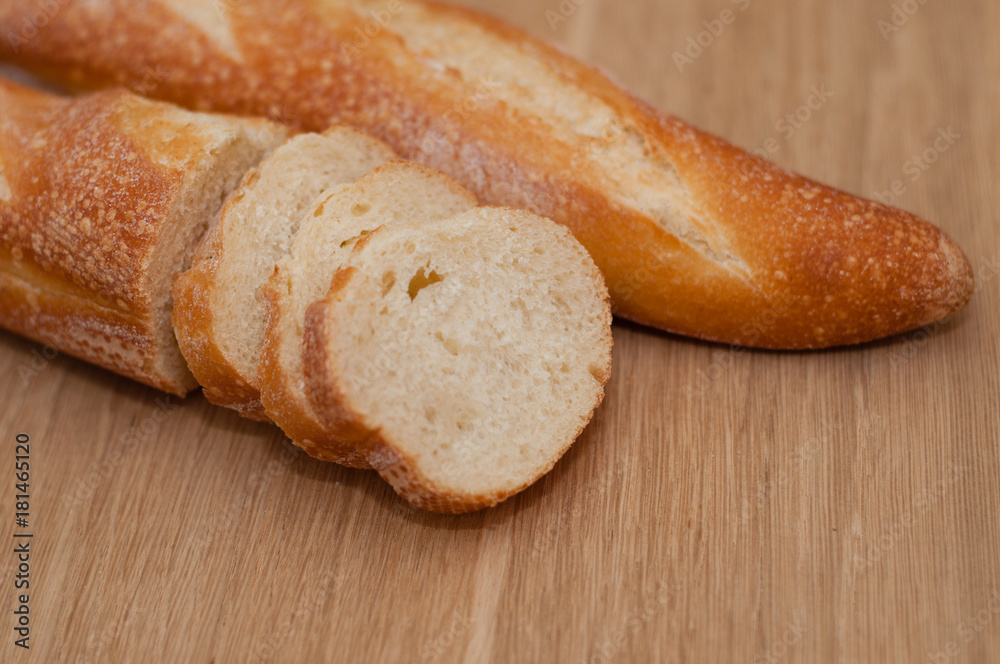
(230,147)
(205,189)
(261,221)
(477,347)
(396,192)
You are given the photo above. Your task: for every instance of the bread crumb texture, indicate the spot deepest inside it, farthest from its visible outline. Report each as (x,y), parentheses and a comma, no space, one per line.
(475,349)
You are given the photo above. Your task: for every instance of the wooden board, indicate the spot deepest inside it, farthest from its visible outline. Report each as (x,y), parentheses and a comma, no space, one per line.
(723,506)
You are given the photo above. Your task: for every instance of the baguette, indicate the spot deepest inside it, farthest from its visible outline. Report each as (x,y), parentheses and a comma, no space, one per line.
(692,234)
(393,193)
(102,201)
(463,355)
(219,315)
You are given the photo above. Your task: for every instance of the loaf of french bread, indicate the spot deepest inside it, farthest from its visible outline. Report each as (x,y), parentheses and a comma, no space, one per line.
(693,235)
(102,201)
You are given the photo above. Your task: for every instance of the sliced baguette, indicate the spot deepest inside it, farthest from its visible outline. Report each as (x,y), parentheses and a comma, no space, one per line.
(103,199)
(219,312)
(395,193)
(463,356)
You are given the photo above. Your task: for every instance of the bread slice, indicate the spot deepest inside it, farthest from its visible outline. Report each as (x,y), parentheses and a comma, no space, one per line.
(103,199)
(464,356)
(219,312)
(395,193)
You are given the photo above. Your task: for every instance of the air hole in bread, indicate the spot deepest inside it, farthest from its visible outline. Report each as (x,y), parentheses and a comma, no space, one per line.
(519,304)
(361,209)
(350,241)
(388,281)
(422,280)
(319,208)
(449,344)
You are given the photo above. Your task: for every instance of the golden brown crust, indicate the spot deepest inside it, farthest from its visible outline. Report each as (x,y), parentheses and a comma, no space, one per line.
(79,326)
(285,406)
(74,213)
(82,213)
(822,268)
(101,201)
(193,290)
(325,394)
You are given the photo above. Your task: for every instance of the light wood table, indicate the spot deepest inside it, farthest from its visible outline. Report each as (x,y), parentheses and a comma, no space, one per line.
(722,507)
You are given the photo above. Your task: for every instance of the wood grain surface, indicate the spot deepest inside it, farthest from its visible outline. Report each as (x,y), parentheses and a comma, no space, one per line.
(723,506)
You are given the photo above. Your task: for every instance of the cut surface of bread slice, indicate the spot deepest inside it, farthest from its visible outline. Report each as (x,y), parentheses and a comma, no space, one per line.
(464,356)
(103,199)
(394,193)
(219,310)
